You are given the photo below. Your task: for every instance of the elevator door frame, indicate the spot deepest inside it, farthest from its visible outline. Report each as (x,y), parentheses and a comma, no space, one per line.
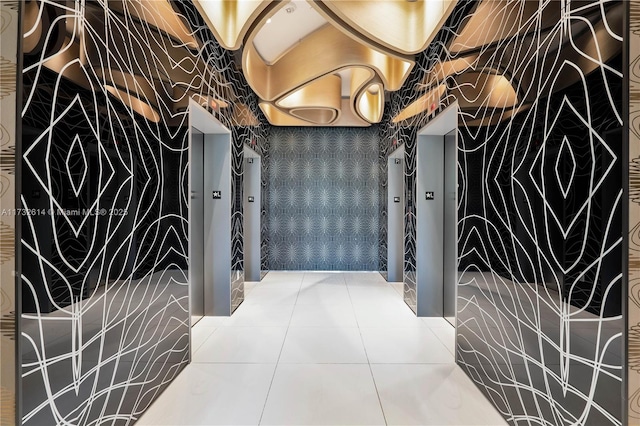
(216,232)
(430,214)
(252,211)
(395,216)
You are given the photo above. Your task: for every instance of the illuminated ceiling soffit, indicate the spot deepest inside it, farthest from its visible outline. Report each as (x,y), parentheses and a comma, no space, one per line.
(405,27)
(230,20)
(323,63)
(479,83)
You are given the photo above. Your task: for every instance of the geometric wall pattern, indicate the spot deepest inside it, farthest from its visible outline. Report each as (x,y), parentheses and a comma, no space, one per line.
(539,305)
(324,198)
(105,302)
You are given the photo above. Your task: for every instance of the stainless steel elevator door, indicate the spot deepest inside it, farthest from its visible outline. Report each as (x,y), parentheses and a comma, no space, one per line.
(251,204)
(196,217)
(395,218)
(450,255)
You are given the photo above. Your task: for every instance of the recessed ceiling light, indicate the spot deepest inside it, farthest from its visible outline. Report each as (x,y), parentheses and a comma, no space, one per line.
(291,7)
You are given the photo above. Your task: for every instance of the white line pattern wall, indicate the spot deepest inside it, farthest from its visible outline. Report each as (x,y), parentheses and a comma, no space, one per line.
(539,306)
(105,291)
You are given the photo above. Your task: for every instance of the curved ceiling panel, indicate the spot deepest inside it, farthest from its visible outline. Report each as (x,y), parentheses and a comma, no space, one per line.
(229,20)
(324,91)
(309,74)
(324,63)
(320,116)
(405,27)
(323,51)
(370,103)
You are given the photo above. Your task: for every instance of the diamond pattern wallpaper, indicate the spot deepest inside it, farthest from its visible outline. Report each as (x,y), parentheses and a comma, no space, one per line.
(324,197)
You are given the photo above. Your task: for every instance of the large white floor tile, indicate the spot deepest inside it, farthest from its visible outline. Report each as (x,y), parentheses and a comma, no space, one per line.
(272,296)
(322,279)
(323,294)
(199,335)
(393,313)
(261,315)
(398,287)
(249,285)
(242,345)
(282,279)
(436,322)
(322,394)
(323,345)
(213,394)
(374,295)
(323,316)
(211,322)
(404,345)
(363,278)
(435,394)
(447,335)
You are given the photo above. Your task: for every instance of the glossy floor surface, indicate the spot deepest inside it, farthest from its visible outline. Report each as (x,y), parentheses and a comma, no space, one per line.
(322,349)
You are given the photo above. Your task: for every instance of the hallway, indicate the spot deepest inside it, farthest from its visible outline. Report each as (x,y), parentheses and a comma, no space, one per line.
(322,348)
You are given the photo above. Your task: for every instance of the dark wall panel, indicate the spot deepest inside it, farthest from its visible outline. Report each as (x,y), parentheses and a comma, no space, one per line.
(539,91)
(105,293)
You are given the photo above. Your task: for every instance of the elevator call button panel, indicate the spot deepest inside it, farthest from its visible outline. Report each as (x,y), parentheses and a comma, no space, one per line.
(396,199)
(251,199)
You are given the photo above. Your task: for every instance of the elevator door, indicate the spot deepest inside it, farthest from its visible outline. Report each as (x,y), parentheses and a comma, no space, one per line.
(251,204)
(196,218)
(395,212)
(450,272)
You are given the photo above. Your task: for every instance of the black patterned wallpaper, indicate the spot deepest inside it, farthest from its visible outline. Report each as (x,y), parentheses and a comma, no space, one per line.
(539,305)
(324,199)
(105,321)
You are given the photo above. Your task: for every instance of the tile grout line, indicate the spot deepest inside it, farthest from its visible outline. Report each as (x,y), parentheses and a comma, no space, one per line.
(364,347)
(275,370)
(195,351)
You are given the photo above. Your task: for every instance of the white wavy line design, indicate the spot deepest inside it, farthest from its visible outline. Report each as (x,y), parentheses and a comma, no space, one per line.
(106,319)
(538,329)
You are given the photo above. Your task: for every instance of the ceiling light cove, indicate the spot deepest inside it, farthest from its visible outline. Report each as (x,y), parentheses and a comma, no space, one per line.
(325,63)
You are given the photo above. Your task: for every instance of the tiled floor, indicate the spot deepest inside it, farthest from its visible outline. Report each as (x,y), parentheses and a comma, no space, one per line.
(322,349)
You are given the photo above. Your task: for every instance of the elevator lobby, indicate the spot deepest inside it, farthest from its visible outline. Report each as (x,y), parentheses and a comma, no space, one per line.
(319,212)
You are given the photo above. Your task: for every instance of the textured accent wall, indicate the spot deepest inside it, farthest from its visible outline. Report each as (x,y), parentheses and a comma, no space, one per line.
(539,326)
(9,37)
(324,199)
(105,324)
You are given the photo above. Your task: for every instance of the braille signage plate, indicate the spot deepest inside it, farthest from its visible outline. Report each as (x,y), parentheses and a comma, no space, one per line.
(250,160)
(397,161)
(429,195)
(217,195)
